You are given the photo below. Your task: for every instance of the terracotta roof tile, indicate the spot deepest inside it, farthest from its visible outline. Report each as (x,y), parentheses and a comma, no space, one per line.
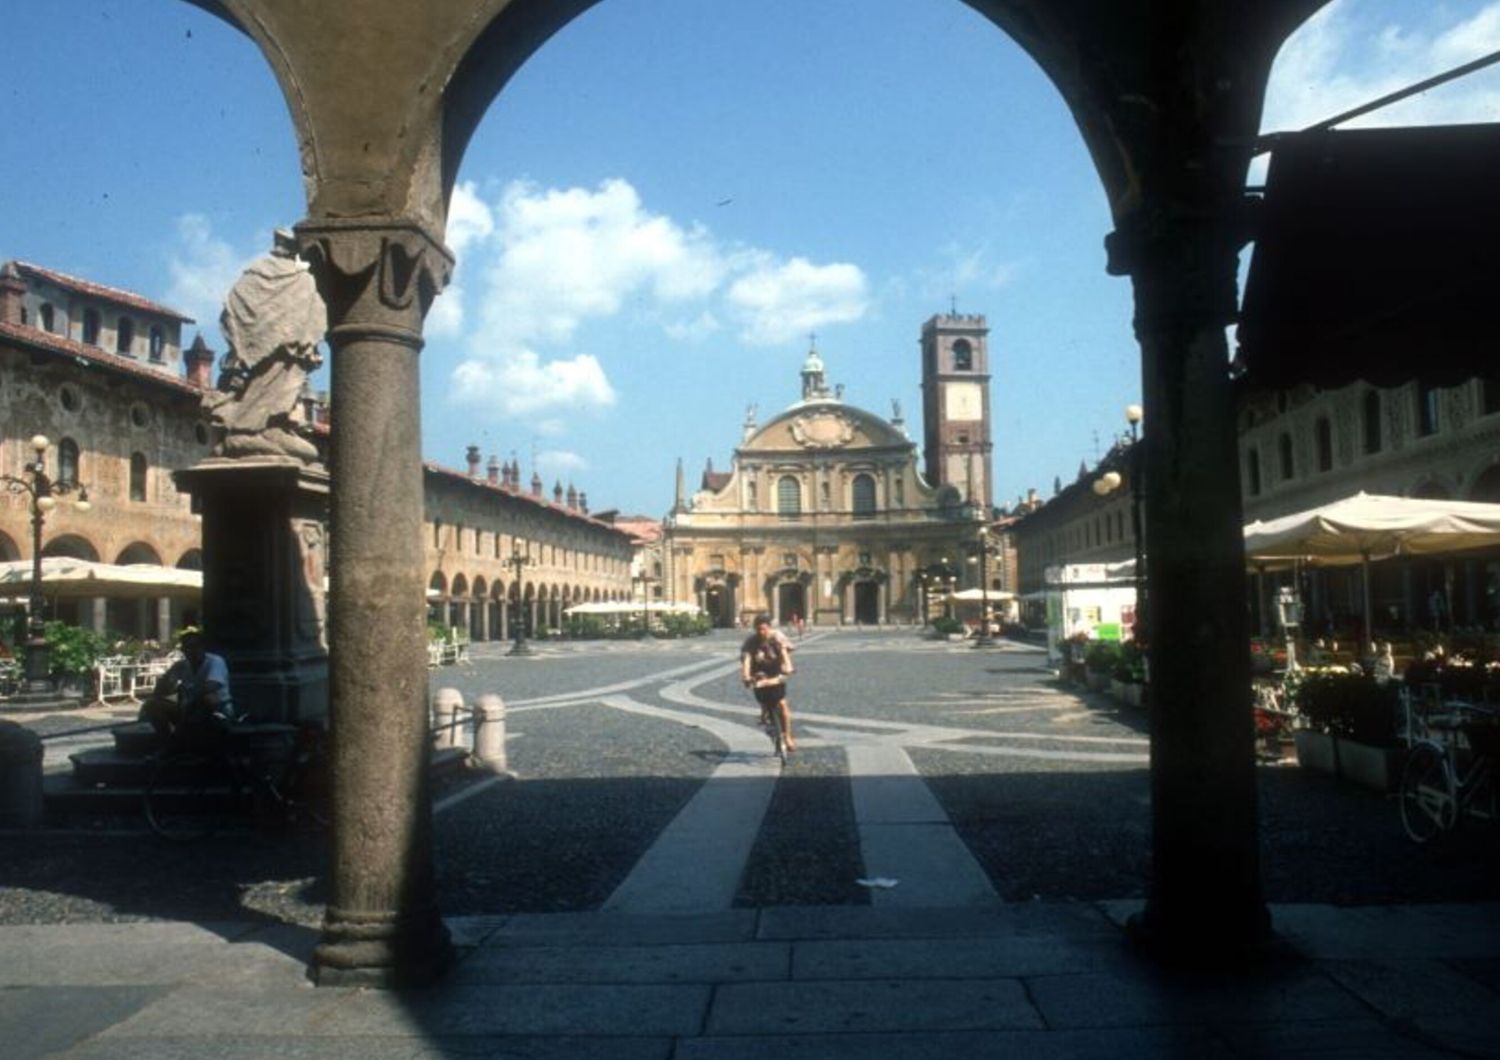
(98,290)
(484,483)
(44,341)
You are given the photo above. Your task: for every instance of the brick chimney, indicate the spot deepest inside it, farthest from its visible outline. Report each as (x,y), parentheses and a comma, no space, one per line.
(536,484)
(492,471)
(583,502)
(557,493)
(572,497)
(199,362)
(12,294)
(471,455)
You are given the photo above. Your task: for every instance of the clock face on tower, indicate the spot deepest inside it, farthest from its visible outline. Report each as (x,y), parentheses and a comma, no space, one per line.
(963,401)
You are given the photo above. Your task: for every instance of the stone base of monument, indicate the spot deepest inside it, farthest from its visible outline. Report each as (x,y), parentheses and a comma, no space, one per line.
(264,559)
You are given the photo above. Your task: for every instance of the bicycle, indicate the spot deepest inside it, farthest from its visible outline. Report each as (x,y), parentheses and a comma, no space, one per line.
(273,774)
(1438,789)
(770,717)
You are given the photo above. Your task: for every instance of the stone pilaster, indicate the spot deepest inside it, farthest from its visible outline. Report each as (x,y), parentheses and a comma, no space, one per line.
(1205,900)
(378,277)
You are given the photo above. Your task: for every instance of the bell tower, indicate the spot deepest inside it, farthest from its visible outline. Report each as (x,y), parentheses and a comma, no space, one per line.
(956,404)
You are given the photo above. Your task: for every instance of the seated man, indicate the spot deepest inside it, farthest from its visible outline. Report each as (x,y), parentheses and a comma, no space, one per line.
(194,693)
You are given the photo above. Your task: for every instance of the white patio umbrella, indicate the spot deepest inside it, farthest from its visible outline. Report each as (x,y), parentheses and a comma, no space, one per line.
(1368,527)
(64,577)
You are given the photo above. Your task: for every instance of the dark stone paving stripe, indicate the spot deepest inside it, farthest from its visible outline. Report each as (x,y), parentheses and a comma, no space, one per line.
(1188,1043)
(878,1005)
(807,852)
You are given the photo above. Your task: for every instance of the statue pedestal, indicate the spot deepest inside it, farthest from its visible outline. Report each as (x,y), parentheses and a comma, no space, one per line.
(263,575)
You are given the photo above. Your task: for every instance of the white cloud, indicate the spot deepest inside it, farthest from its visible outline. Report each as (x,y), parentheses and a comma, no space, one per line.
(566,256)
(1342,57)
(540,263)
(964,269)
(523,383)
(560,462)
(203,267)
(470,221)
(700,327)
(780,301)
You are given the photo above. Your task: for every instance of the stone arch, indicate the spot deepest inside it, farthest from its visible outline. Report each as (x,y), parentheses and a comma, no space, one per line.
(139,552)
(438,582)
(74,546)
(192,559)
(8,549)
(1168,105)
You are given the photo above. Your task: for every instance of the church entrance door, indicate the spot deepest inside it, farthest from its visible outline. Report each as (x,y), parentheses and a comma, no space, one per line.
(791,599)
(718,601)
(867,603)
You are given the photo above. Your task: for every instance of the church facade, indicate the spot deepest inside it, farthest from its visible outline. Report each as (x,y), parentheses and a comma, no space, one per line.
(826,513)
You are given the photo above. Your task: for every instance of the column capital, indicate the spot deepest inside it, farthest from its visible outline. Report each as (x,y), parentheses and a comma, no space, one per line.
(378,275)
(1184,263)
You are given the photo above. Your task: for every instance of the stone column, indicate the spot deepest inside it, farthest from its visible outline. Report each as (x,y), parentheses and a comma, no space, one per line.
(163,620)
(1205,898)
(379,277)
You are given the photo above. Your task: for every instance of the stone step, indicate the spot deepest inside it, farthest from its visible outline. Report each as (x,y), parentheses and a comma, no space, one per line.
(107,766)
(136,738)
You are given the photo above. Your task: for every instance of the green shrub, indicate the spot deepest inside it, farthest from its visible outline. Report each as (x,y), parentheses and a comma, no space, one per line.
(1130,666)
(678,624)
(1351,705)
(1102,655)
(73,651)
(947,625)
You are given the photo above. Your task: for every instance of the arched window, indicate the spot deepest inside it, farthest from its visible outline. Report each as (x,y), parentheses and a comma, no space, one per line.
(789,498)
(1371,418)
(864,497)
(137,476)
(157,344)
(1252,472)
(124,335)
(1324,432)
(46,315)
(67,462)
(1288,466)
(91,327)
(963,356)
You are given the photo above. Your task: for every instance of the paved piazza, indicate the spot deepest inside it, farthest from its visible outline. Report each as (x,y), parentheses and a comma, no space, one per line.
(953,776)
(966,776)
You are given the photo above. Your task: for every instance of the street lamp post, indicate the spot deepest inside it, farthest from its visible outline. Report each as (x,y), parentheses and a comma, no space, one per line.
(1110,481)
(982,549)
(43,491)
(519,560)
(1133,414)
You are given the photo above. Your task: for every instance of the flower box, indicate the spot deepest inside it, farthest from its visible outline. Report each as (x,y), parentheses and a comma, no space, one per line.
(1373,767)
(1098,680)
(1316,750)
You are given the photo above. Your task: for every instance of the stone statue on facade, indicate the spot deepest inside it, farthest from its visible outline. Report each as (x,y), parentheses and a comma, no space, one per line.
(273,320)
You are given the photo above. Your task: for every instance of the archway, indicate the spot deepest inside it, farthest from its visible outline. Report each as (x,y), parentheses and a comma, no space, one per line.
(8,549)
(866,603)
(1168,107)
(791,602)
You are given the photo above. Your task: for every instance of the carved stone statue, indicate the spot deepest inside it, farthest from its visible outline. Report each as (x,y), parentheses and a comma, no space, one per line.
(273,320)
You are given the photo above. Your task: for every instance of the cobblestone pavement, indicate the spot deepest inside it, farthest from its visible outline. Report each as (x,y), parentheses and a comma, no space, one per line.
(640,772)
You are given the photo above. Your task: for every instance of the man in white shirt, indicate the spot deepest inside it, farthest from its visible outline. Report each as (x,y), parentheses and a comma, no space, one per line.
(194,691)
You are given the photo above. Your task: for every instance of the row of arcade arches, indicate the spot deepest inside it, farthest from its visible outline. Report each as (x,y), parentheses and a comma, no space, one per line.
(489,610)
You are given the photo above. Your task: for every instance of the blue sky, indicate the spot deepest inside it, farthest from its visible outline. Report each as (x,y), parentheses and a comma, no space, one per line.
(664,203)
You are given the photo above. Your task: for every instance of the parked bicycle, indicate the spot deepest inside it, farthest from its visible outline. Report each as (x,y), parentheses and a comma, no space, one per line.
(274,776)
(1450,770)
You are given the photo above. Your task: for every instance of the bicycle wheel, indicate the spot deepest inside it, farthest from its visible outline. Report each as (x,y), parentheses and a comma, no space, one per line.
(304,793)
(1428,803)
(184,796)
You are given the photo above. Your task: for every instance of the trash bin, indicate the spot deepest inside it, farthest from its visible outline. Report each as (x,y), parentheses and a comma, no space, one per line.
(20,776)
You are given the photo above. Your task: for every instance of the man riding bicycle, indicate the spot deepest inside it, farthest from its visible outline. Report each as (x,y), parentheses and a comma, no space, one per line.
(765,661)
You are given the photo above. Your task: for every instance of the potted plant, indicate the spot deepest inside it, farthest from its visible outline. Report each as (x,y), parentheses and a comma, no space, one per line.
(72,653)
(1099,662)
(1129,679)
(1351,727)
